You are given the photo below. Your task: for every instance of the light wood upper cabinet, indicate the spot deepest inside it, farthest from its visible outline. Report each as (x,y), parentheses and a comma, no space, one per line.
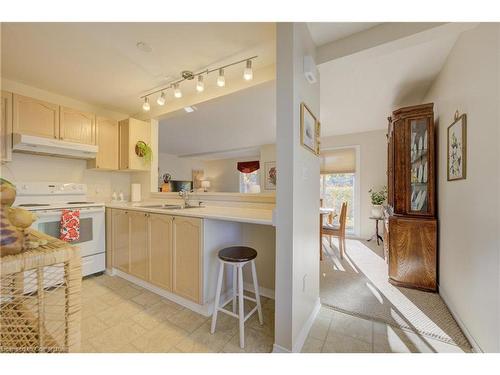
(132,131)
(120,239)
(77,126)
(187,257)
(160,250)
(6,127)
(35,117)
(107,141)
(139,258)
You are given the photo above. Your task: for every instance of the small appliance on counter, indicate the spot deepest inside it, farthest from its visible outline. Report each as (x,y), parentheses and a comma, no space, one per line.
(135,192)
(47,201)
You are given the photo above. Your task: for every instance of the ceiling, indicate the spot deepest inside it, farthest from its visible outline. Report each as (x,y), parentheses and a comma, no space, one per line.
(327,32)
(360,92)
(99,63)
(243,120)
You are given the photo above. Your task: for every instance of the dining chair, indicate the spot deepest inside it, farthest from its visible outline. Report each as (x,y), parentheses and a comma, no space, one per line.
(329,229)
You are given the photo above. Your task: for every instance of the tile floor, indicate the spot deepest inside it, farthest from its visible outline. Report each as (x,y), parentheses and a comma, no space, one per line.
(118,316)
(335,332)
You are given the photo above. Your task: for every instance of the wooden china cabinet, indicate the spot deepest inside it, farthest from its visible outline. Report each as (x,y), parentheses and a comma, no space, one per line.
(411,221)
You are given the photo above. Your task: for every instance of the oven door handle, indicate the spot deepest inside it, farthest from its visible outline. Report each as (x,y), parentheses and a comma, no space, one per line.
(84,211)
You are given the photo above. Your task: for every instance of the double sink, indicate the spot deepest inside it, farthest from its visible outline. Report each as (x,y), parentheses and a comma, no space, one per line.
(169,206)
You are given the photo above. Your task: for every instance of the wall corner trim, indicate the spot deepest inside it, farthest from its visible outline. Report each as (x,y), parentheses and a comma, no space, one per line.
(302,336)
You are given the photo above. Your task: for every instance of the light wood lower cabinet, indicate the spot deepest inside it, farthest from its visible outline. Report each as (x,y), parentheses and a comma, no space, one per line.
(160,260)
(186,257)
(163,250)
(139,233)
(120,237)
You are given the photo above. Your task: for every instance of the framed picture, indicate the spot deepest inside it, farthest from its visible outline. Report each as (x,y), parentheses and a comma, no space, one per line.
(270,175)
(457,149)
(198,176)
(309,129)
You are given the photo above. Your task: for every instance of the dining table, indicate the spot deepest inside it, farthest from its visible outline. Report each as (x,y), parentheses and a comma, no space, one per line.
(325,211)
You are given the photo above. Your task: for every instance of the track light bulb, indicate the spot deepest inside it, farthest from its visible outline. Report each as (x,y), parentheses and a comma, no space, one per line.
(161,99)
(146,107)
(200,85)
(221,81)
(177,91)
(248,72)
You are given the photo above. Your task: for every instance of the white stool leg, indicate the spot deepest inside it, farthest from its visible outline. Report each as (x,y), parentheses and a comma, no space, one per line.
(257,294)
(235,285)
(217,296)
(241,306)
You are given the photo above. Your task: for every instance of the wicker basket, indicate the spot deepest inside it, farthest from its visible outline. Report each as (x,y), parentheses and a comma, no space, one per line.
(40,299)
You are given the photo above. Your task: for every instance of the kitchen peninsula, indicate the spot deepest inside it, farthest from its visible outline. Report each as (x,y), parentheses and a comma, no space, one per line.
(173,251)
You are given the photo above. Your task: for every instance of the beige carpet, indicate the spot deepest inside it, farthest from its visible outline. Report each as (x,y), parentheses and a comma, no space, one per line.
(358,285)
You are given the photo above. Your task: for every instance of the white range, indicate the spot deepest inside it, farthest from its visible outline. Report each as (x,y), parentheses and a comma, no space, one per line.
(47,200)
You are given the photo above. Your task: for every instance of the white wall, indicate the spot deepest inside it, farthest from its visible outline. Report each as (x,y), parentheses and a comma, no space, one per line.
(224,175)
(373,168)
(31,168)
(267,154)
(179,168)
(468,209)
(297,241)
(27,168)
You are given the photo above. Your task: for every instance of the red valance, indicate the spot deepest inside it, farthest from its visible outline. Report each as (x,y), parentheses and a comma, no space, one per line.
(248,166)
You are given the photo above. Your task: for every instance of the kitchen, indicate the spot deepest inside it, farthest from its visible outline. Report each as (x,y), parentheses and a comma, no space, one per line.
(64,154)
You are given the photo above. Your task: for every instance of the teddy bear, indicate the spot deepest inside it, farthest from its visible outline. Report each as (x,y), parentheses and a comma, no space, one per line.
(13,222)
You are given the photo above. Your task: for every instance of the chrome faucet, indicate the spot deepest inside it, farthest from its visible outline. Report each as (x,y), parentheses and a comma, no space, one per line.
(185,196)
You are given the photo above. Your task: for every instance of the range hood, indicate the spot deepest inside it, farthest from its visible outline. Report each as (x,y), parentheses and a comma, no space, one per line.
(46,146)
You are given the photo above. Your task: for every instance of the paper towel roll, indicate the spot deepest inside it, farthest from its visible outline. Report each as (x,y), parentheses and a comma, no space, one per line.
(135,192)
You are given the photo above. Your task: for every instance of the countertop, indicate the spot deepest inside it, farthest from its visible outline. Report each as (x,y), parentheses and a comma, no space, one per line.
(238,214)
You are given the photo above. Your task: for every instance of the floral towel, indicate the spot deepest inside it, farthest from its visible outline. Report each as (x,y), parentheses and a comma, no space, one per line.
(70,225)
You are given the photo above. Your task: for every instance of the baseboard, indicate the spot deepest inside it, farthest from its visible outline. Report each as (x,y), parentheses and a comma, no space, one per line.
(279,349)
(472,340)
(304,332)
(205,310)
(265,292)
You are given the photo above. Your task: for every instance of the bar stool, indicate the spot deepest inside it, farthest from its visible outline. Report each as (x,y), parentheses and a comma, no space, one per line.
(237,257)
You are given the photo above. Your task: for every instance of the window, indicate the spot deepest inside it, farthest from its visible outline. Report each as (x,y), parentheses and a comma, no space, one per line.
(337,188)
(250,182)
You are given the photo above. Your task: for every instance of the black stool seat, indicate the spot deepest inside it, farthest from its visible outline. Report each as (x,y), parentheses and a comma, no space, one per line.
(237,254)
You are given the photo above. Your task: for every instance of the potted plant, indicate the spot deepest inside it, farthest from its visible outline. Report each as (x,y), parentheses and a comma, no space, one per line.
(378,198)
(143,150)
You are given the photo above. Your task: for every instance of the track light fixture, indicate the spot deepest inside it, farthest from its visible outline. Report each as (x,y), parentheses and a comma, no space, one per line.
(200,85)
(146,107)
(187,75)
(248,72)
(221,80)
(161,99)
(177,91)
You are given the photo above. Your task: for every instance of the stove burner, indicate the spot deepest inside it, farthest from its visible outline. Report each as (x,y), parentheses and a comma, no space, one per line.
(33,205)
(80,202)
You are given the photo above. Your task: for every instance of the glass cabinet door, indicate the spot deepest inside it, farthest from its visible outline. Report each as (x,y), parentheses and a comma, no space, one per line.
(419,166)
